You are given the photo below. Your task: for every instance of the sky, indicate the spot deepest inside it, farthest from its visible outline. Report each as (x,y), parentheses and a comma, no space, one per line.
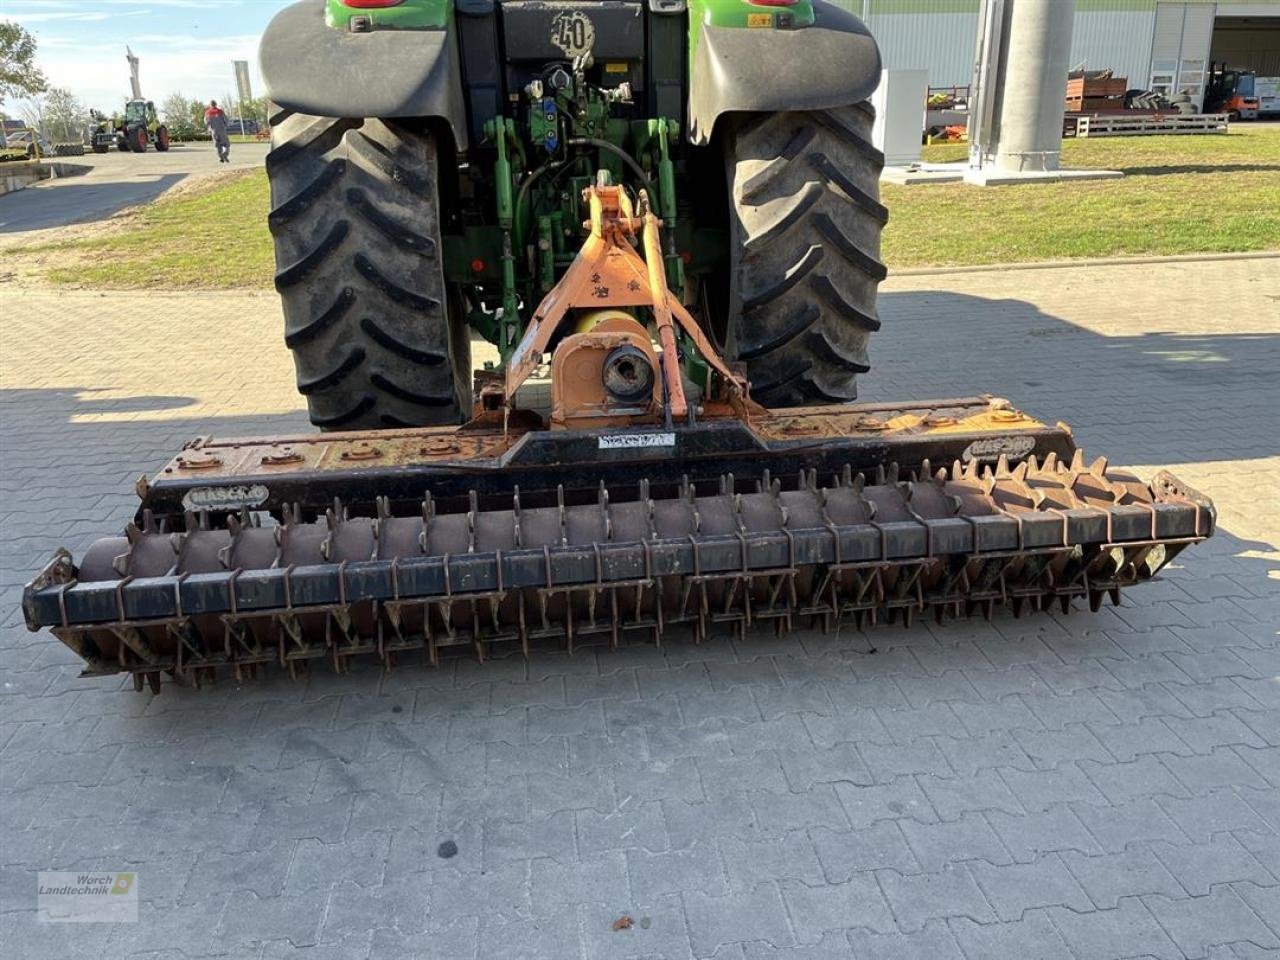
(184,45)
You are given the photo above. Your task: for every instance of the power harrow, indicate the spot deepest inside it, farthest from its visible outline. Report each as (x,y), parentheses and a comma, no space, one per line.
(639,504)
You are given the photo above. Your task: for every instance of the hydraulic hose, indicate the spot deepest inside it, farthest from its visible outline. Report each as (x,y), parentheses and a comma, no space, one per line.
(622,155)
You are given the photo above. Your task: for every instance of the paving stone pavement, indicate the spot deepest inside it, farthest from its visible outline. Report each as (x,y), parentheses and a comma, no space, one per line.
(1084,786)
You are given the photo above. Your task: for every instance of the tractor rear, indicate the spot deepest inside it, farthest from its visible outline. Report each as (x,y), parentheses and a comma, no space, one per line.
(664,217)
(444,198)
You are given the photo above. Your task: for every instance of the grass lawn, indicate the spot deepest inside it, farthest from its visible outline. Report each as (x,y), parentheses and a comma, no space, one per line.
(1181,194)
(212,238)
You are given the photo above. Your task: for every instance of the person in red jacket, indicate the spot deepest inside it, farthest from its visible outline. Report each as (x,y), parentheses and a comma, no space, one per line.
(215,122)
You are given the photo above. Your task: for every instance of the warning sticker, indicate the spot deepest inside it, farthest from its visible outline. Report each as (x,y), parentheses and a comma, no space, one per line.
(637,441)
(759,19)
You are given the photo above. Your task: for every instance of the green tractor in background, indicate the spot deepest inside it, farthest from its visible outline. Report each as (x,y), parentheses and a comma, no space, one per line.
(429,159)
(139,127)
(101,131)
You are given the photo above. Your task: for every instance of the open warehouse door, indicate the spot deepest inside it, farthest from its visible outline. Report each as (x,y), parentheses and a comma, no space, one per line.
(1249,47)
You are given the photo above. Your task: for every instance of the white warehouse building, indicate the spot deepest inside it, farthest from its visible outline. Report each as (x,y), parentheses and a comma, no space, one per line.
(1163,45)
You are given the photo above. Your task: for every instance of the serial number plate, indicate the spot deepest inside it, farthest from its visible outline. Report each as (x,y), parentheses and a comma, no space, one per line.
(637,441)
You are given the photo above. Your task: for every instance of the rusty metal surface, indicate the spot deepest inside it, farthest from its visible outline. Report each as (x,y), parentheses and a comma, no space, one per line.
(496,455)
(792,551)
(580,381)
(278,456)
(607,272)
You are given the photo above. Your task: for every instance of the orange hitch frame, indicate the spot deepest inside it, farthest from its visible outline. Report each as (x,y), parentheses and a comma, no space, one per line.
(608,272)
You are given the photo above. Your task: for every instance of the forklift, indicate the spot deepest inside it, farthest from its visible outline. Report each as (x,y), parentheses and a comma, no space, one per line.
(1231,92)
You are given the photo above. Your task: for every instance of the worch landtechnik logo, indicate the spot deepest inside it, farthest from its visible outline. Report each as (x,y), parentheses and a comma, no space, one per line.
(69,897)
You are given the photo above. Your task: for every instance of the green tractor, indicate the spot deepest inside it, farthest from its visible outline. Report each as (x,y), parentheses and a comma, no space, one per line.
(429,160)
(101,131)
(139,127)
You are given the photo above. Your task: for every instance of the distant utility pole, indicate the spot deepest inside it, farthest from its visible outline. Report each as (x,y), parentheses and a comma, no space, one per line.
(134,83)
(244,89)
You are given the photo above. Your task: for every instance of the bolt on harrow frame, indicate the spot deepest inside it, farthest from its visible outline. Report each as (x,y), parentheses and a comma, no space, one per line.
(399,544)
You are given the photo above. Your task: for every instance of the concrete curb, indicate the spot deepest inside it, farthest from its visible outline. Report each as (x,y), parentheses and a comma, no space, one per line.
(12,181)
(1103,262)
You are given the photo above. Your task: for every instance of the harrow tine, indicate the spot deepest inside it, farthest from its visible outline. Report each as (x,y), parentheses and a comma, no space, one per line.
(587,567)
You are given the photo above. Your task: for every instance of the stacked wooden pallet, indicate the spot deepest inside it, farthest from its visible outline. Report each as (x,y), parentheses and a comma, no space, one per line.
(1151,123)
(1092,92)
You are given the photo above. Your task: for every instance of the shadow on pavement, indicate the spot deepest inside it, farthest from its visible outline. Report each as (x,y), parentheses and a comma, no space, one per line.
(214,797)
(83,200)
(73,402)
(67,481)
(1156,398)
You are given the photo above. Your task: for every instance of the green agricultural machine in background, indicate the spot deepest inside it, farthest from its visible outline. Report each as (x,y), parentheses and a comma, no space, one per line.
(135,129)
(139,126)
(131,132)
(101,131)
(466,129)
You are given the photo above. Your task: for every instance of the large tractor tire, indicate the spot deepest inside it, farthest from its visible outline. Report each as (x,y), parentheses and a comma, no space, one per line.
(805,221)
(162,139)
(138,140)
(355,217)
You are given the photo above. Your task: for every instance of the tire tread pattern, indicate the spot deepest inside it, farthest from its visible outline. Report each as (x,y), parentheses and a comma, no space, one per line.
(805,220)
(356,226)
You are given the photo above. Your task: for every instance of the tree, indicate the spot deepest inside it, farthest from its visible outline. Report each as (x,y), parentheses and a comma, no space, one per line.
(32,110)
(183,117)
(65,117)
(18,74)
(255,109)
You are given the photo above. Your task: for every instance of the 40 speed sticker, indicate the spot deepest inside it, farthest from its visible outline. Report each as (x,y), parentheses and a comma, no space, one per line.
(637,441)
(573,32)
(226,498)
(991,448)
